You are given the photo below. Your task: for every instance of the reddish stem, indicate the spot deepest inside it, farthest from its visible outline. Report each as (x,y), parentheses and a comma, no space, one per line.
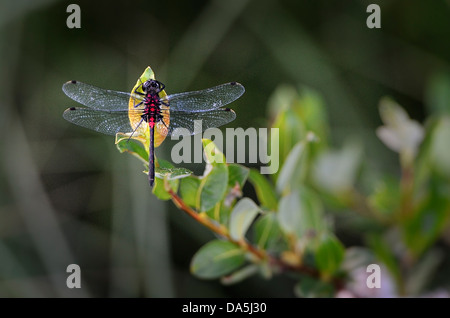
(258,253)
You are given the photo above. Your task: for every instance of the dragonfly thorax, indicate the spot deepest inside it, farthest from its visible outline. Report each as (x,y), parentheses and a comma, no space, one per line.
(152,102)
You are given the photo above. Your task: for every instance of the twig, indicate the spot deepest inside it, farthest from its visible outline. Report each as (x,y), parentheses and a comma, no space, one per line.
(245,245)
(406,188)
(222,231)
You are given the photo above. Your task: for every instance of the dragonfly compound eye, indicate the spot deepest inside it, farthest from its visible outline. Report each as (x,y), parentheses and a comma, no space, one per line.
(146,85)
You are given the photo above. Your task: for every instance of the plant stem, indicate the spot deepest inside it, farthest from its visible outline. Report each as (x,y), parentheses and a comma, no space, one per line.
(244,244)
(406,186)
(222,231)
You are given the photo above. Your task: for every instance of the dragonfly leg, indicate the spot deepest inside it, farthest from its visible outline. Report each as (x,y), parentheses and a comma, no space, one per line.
(139,93)
(162,120)
(134,130)
(138,104)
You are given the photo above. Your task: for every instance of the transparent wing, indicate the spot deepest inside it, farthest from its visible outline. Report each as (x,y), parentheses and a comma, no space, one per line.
(207,99)
(98,98)
(106,122)
(200,121)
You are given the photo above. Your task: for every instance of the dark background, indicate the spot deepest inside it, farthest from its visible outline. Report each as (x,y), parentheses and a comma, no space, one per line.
(68,196)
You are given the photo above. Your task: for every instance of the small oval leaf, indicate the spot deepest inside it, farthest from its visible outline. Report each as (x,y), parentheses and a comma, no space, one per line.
(132,146)
(329,254)
(188,190)
(216,259)
(289,215)
(237,174)
(160,191)
(242,216)
(300,213)
(291,167)
(214,183)
(264,190)
(336,171)
(400,133)
(294,168)
(212,187)
(268,234)
(172,173)
(240,274)
(212,153)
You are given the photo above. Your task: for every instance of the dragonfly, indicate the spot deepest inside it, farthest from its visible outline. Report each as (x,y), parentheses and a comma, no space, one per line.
(148,109)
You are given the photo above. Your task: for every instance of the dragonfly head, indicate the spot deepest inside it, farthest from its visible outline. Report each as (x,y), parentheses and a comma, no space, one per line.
(152,86)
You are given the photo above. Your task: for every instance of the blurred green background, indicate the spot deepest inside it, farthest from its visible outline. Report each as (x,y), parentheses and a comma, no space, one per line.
(67,195)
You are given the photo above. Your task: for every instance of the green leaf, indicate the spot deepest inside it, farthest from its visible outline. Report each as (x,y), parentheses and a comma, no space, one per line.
(172,173)
(295,114)
(213,154)
(301,213)
(189,189)
(437,94)
(214,184)
(240,274)
(386,197)
(267,231)
(282,99)
(430,217)
(439,149)
(329,254)
(165,169)
(137,149)
(264,190)
(146,75)
(309,287)
(242,216)
(237,174)
(335,171)
(220,213)
(212,188)
(159,189)
(294,168)
(400,133)
(217,258)
(384,254)
(291,130)
(311,110)
(290,171)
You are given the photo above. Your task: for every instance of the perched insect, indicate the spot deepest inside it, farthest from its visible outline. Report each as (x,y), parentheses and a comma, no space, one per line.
(148,107)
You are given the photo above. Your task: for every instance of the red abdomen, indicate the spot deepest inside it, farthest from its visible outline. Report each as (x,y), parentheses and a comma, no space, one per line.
(152,111)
